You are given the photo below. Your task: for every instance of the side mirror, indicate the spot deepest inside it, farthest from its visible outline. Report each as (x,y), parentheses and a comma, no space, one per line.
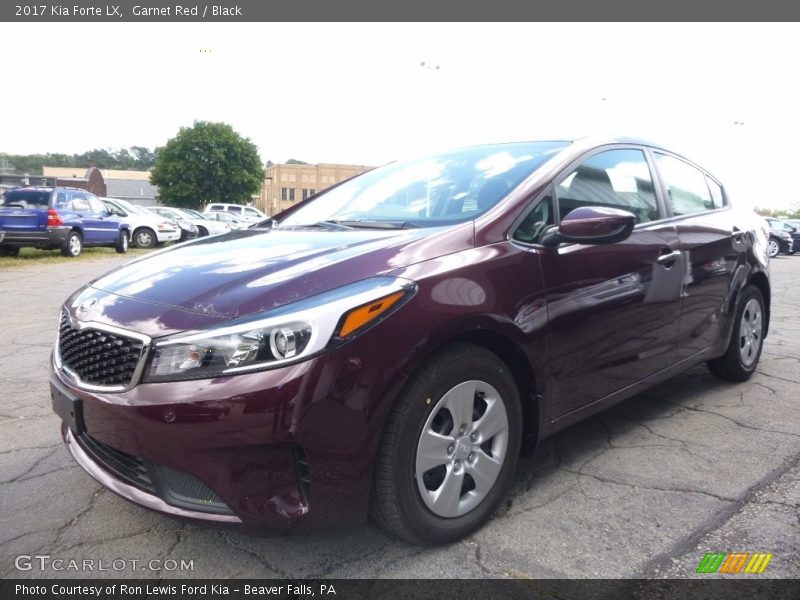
(591,225)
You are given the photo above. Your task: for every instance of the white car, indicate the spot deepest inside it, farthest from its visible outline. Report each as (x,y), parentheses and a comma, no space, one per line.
(147,230)
(248,213)
(204,226)
(227,218)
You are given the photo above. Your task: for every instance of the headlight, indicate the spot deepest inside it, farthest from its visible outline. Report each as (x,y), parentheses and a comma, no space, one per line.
(280,336)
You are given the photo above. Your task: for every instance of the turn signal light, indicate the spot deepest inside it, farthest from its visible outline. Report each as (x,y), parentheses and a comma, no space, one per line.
(363,315)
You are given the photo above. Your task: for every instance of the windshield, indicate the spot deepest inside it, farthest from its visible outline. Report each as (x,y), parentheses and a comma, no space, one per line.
(194,214)
(133,209)
(27,198)
(437,190)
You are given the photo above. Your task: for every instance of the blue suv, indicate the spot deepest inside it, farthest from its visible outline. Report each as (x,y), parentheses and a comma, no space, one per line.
(64,218)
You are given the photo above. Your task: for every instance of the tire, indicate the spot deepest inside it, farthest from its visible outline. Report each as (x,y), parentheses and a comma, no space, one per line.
(773,248)
(9,251)
(747,339)
(144,237)
(202,231)
(122,242)
(426,429)
(73,245)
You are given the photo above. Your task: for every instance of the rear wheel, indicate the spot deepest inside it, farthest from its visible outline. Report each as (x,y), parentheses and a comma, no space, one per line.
(202,231)
(122,242)
(773,247)
(73,245)
(747,339)
(144,237)
(450,447)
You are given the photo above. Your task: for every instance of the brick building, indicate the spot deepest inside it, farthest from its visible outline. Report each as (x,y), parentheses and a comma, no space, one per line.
(289,183)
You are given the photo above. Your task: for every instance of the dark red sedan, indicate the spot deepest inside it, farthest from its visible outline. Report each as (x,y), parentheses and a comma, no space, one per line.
(389,346)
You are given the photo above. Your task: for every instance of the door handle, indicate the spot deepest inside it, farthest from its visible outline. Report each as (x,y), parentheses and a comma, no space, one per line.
(669,258)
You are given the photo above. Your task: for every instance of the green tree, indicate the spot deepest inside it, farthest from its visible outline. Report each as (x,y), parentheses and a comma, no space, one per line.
(207,162)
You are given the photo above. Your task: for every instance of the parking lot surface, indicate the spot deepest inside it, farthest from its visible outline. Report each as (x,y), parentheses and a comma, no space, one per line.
(644,489)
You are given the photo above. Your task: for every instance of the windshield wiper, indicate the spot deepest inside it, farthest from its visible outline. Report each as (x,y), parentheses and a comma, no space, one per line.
(329,224)
(365,224)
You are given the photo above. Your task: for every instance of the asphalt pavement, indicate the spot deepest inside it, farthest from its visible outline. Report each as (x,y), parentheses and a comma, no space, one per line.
(644,489)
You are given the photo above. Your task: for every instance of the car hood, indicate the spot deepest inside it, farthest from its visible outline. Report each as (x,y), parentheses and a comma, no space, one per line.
(250,270)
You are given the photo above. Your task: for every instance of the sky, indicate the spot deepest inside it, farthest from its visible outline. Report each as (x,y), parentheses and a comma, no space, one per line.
(724,95)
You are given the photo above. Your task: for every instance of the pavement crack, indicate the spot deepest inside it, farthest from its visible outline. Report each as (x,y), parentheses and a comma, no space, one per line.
(647,486)
(226,537)
(36,463)
(732,420)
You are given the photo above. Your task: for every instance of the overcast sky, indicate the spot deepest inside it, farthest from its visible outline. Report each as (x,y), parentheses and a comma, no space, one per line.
(358,93)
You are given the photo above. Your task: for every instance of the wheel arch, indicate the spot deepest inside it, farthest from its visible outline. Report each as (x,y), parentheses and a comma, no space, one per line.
(760,280)
(507,349)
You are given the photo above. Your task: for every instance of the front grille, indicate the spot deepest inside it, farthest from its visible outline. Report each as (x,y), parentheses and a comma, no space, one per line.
(98,357)
(172,486)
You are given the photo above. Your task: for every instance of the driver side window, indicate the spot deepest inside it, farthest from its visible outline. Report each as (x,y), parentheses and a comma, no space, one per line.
(615,179)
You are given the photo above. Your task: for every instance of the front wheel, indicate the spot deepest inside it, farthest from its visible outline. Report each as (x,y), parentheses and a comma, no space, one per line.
(145,238)
(773,248)
(449,448)
(747,339)
(122,242)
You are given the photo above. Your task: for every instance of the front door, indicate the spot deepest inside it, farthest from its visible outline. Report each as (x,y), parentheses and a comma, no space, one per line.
(613,308)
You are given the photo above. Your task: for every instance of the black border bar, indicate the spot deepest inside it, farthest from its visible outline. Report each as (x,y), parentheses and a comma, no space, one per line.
(706,588)
(408,10)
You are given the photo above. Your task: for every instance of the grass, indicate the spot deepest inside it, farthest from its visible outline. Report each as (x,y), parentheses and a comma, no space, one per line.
(31,256)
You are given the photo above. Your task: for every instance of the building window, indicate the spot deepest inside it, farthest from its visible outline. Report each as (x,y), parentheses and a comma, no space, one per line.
(285,193)
(305,193)
(312,192)
(291,194)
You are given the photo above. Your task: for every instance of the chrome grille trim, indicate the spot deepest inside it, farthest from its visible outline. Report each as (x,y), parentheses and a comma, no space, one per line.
(75,378)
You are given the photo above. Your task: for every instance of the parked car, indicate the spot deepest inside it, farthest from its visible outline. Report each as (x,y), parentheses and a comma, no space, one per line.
(781,226)
(148,229)
(227,218)
(389,346)
(204,226)
(188,230)
(780,240)
(248,213)
(58,218)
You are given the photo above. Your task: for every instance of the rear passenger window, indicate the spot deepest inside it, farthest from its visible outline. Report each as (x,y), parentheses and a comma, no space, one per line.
(615,179)
(686,186)
(80,203)
(235,209)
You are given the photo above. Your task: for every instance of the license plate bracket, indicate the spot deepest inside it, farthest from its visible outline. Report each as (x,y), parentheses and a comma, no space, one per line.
(68,407)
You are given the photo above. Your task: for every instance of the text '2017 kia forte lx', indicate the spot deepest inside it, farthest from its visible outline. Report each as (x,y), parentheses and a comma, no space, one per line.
(388,347)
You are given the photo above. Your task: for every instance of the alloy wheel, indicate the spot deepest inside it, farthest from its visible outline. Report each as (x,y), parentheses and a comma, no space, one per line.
(750,332)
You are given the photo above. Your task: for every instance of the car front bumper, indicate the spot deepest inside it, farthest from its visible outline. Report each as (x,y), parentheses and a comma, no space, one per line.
(288,448)
(168,236)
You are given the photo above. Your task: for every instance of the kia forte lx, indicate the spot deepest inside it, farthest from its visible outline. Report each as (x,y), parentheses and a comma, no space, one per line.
(388,347)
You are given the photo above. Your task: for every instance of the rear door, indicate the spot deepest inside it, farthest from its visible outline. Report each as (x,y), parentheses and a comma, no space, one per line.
(89,222)
(712,244)
(107,224)
(613,308)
